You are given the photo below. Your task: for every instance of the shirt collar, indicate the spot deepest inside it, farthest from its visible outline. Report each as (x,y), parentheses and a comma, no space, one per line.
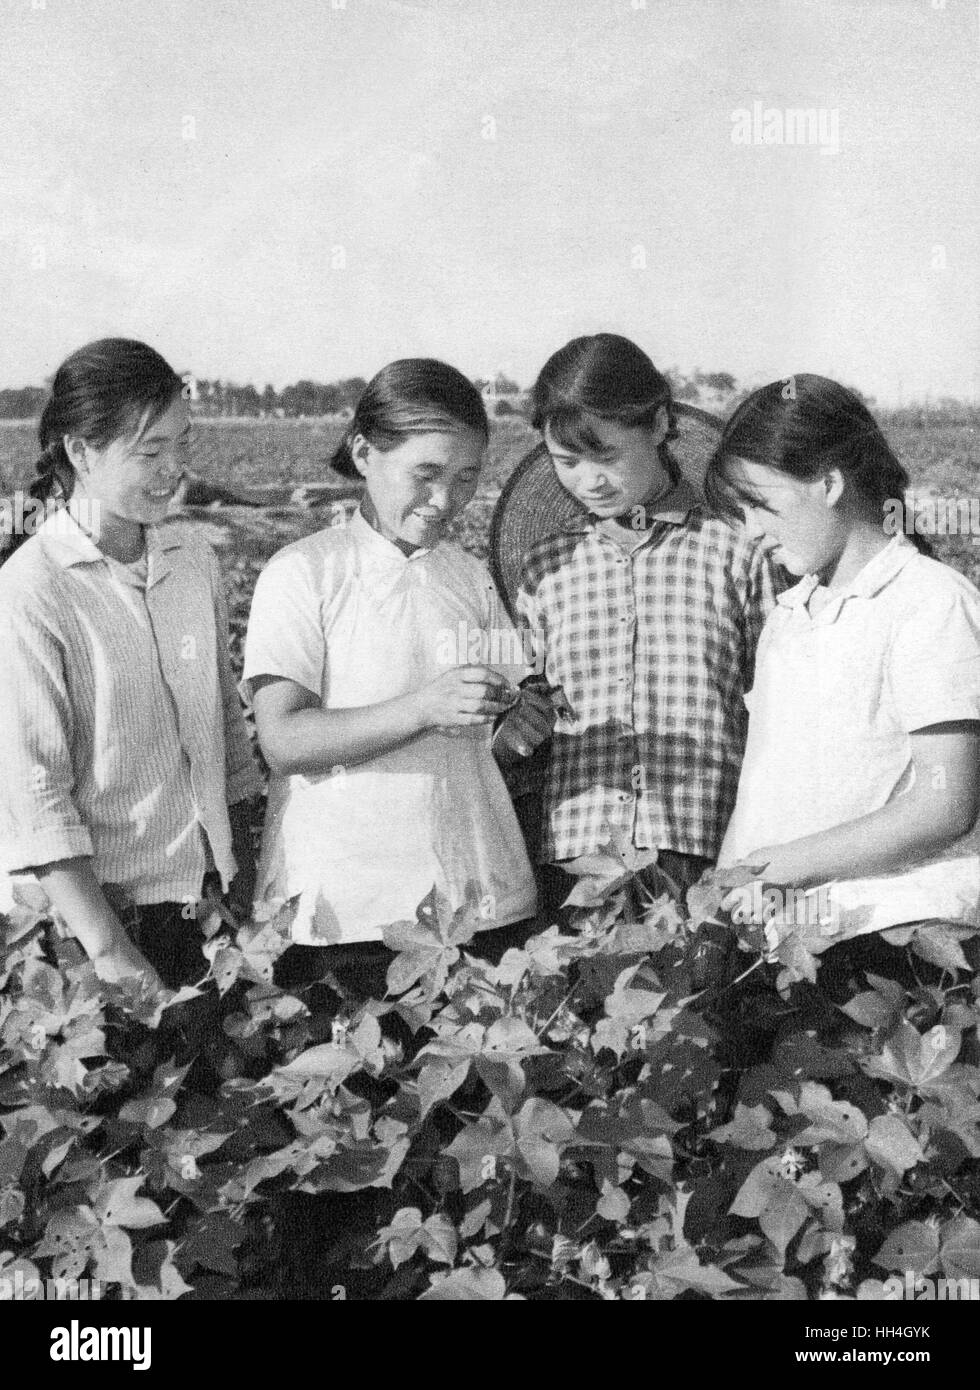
(377,545)
(880,570)
(68,544)
(673,507)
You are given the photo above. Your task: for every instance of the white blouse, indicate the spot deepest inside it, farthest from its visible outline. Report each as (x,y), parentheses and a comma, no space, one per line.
(836,699)
(345,614)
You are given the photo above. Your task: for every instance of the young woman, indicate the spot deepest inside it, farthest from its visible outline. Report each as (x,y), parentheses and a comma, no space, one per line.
(863,753)
(122,739)
(371,710)
(648,610)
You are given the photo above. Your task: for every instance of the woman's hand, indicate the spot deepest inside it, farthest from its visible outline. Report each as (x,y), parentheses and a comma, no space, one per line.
(464,696)
(73,889)
(753,903)
(528,724)
(124,961)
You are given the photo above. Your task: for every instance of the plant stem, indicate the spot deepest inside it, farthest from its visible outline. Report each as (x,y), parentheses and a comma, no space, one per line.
(505,1235)
(561,1004)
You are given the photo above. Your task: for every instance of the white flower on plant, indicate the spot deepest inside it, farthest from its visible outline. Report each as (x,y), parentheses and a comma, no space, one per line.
(563,1252)
(839,1261)
(772,938)
(593,1264)
(791,1163)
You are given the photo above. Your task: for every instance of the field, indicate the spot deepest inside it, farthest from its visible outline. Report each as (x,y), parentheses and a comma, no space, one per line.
(639,1104)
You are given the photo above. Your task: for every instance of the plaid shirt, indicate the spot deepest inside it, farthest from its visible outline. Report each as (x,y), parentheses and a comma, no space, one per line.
(652,635)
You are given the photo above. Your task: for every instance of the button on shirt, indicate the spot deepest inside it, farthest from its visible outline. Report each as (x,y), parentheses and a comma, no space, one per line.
(122,735)
(837,696)
(346,615)
(651,634)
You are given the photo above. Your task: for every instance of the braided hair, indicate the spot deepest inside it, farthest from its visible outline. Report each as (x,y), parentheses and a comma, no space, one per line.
(100,393)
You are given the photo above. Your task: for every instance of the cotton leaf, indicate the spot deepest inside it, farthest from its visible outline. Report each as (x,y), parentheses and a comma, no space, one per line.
(440,1238)
(683,1269)
(774,1201)
(329,1060)
(750,1128)
(477,1149)
(842,1162)
(961,1248)
(838,1121)
(874,1010)
(473,1285)
(892,1145)
(614,1204)
(150,1110)
(170,1283)
(938,944)
(912,1246)
(783,1215)
(914,1059)
(403,1236)
(512,1035)
(438,1080)
(117,1205)
(541,1131)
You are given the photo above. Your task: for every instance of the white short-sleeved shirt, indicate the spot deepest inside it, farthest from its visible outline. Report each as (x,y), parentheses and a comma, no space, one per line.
(345,614)
(835,700)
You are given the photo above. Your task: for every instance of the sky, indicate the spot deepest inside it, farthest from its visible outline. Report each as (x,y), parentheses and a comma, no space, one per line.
(267,190)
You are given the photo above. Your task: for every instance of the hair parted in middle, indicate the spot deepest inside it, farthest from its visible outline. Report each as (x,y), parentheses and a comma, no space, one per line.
(414,395)
(606,376)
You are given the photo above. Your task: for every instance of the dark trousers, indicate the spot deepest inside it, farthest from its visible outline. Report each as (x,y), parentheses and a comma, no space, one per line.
(171,942)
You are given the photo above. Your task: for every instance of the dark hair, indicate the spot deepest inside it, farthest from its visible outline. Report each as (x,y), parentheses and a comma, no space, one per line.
(804,426)
(100,393)
(606,376)
(414,395)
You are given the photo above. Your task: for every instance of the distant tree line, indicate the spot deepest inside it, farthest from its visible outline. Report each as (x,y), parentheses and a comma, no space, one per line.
(222,398)
(214,397)
(503,396)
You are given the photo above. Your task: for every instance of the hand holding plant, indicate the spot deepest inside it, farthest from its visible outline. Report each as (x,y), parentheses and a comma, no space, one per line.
(529,723)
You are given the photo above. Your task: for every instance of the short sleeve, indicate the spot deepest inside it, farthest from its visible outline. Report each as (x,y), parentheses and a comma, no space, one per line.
(934,663)
(285,634)
(757,586)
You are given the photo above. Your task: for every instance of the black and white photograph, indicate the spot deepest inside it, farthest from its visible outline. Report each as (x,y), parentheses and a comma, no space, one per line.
(490,668)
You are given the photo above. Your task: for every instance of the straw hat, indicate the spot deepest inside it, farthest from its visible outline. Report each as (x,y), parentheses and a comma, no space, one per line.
(533,504)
